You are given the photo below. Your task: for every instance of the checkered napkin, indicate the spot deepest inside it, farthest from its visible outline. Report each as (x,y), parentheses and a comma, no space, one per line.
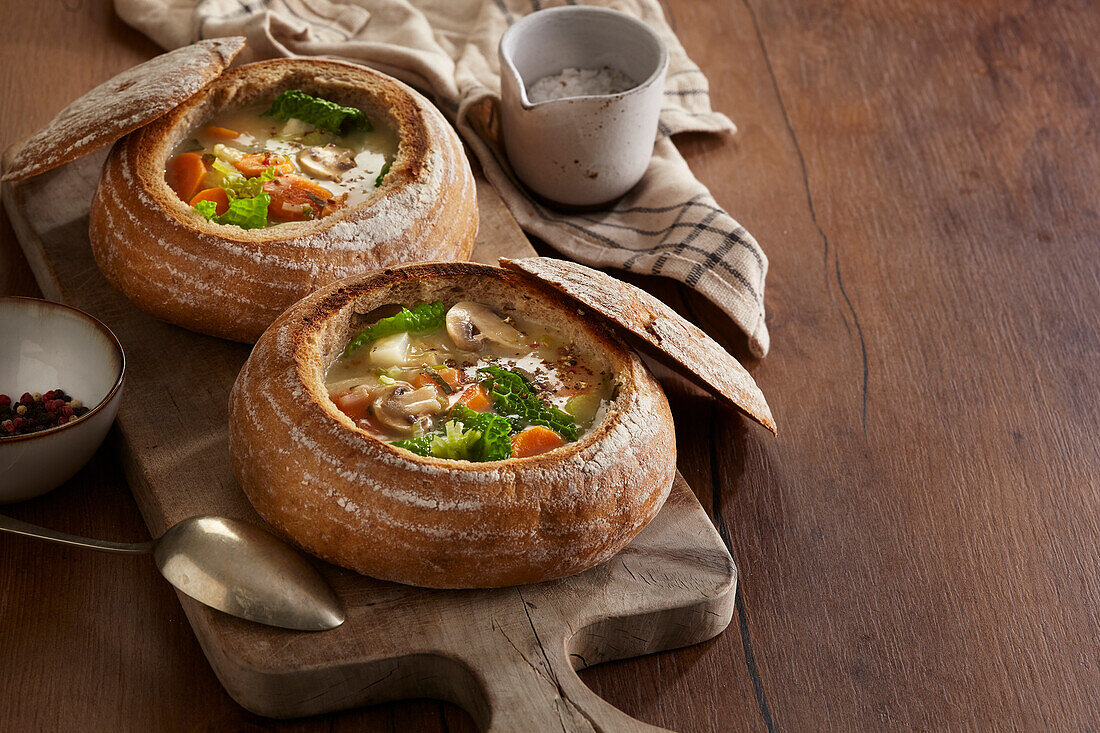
(669,224)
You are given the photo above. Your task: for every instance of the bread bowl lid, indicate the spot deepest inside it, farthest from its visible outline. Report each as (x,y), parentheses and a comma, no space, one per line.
(121,105)
(655,328)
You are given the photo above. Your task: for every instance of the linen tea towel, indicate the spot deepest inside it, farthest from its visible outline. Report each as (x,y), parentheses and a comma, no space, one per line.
(668,225)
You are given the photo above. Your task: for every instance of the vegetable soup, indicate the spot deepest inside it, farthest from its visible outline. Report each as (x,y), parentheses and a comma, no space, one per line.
(465,383)
(297,159)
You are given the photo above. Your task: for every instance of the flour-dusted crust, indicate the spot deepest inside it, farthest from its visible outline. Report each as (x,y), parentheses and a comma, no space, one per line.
(668,336)
(121,105)
(354,500)
(232,283)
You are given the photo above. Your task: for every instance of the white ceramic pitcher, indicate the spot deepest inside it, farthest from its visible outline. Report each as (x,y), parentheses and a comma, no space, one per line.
(585,150)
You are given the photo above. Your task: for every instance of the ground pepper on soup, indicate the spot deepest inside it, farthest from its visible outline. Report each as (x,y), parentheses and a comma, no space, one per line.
(298,158)
(463,382)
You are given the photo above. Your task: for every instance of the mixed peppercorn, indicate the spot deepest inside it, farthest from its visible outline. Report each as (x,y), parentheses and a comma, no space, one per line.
(34,412)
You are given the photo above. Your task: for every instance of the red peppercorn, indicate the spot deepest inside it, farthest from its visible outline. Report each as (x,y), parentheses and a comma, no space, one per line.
(35,411)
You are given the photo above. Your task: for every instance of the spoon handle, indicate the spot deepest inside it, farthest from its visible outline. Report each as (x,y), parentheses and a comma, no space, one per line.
(7,524)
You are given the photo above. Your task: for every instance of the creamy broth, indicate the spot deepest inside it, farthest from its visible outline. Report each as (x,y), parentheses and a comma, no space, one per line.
(406,387)
(314,172)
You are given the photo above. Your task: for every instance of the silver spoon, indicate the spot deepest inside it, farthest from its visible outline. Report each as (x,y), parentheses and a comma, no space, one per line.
(229,565)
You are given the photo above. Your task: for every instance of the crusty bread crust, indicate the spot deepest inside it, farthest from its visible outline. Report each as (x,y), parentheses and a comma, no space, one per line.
(232,283)
(354,500)
(120,105)
(658,330)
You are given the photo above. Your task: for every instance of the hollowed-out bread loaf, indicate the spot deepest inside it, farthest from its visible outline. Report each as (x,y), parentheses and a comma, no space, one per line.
(230,282)
(354,500)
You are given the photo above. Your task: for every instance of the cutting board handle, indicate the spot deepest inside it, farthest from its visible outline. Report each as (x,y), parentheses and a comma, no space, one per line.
(538,689)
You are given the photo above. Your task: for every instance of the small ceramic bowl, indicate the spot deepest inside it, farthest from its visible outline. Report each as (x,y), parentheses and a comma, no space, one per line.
(590,149)
(45,346)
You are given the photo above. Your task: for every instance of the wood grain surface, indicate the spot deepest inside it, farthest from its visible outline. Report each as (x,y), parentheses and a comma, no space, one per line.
(918,548)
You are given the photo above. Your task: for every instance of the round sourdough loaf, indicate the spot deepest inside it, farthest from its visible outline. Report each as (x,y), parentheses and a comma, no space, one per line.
(354,500)
(229,282)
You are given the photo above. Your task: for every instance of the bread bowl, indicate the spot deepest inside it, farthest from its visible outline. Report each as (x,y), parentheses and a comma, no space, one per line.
(353,499)
(231,282)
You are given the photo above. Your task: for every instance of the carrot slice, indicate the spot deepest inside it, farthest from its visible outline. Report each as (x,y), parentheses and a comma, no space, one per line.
(184,174)
(476,399)
(221,133)
(253,164)
(217,195)
(334,205)
(451,376)
(535,440)
(291,195)
(355,404)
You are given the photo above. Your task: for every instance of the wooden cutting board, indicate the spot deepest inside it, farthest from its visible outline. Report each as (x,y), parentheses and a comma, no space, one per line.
(507,655)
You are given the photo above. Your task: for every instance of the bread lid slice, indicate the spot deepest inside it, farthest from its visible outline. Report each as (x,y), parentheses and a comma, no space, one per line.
(656,329)
(121,105)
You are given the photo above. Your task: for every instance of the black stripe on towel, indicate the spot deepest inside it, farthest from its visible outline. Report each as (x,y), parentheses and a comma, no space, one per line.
(666,250)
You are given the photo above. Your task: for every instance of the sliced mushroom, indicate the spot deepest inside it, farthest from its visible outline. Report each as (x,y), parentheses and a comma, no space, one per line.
(402,408)
(422,401)
(330,162)
(470,324)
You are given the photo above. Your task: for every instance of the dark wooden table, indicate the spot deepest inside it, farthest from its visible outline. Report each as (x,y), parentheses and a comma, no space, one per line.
(921,545)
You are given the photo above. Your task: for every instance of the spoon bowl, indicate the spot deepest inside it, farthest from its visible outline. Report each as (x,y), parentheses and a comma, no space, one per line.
(241,569)
(229,565)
